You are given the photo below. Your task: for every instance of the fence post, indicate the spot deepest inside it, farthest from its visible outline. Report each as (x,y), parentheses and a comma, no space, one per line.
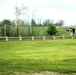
(63,37)
(54,37)
(72,37)
(20,38)
(32,37)
(6,38)
(43,37)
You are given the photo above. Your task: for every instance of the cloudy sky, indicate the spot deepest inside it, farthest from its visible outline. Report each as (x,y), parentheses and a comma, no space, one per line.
(52,9)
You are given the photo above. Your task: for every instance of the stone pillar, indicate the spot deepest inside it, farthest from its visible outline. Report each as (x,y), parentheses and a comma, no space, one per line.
(6,38)
(32,37)
(54,37)
(43,37)
(63,37)
(20,38)
(72,37)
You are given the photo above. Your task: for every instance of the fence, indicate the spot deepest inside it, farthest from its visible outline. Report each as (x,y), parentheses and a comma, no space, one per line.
(20,38)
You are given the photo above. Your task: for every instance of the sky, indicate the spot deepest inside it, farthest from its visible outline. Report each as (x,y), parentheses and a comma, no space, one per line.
(41,9)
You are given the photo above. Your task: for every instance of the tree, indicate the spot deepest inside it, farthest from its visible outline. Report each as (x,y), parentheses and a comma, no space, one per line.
(39,22)
(47,22)
(59,23)
(6,27)
(51,30)
(33,23)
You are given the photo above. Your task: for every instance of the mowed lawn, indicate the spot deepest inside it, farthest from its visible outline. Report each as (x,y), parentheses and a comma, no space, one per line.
(36,56)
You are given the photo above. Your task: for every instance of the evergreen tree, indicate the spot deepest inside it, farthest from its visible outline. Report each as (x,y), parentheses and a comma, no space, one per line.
(51,30)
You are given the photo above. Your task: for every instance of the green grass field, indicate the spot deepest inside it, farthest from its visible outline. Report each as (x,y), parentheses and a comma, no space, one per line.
(36,56)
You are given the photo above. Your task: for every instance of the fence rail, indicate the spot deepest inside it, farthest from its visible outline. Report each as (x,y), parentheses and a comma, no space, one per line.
(20,38)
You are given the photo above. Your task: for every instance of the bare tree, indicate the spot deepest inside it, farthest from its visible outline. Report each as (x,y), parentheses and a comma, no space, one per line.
(60,23)
(19,12)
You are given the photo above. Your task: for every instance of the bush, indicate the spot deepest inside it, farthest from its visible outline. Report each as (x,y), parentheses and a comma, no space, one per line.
(5,30)
(23,31)
(62,32)
(40,31)
(13,31)
(0,32)
(51,30)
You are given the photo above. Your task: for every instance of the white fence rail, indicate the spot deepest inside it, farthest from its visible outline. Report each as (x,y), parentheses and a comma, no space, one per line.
(20,38)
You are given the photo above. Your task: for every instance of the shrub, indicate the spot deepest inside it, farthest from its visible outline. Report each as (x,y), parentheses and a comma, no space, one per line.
(62,32)
(51,30)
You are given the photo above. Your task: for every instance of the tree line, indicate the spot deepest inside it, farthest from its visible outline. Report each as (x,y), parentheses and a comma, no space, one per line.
(8,27)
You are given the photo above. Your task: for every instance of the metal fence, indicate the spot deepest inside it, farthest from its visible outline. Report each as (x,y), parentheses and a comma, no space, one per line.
(20,38)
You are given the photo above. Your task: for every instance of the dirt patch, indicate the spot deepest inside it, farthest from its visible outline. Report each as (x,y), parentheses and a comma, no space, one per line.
(41,73)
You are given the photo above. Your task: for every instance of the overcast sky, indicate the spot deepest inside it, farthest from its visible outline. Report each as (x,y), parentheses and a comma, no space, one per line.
(52,9)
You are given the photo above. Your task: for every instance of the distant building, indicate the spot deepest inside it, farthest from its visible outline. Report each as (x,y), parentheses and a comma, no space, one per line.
(71,29)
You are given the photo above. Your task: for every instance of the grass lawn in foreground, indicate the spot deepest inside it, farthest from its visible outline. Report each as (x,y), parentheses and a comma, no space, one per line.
(36,56)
